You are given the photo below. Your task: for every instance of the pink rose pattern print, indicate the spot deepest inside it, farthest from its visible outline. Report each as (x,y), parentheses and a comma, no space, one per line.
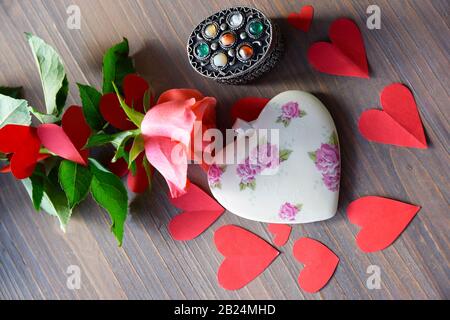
(265,156)
(214,176)
(289,211)
(328,162)
(290,111)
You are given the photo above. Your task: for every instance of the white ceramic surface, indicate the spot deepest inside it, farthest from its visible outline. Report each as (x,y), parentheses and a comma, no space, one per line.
(300,186)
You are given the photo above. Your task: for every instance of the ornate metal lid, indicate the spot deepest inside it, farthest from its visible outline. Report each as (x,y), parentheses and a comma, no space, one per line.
(230,43)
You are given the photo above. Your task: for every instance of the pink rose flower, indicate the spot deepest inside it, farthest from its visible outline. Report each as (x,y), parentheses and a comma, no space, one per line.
(247,171)
(290,110)
(327,158)
(288,211)
(331,181)
(266,155)
(214,175)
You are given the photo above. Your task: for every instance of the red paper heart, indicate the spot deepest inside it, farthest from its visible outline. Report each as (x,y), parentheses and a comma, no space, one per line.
(246,256)
(320,263)
(281,233)
(77,129)
(248,109)
(24,144)
(302,20)
(398,123)
(381,220)
(345,55)
(200,212)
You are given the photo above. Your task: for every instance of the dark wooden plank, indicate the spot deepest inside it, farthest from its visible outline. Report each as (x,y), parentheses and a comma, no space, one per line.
(411,47)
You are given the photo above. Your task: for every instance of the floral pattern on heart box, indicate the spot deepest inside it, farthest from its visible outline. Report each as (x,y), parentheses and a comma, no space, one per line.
(298,180)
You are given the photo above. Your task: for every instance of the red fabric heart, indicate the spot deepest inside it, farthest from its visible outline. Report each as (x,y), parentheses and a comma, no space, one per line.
(248,109)
(320,263)
(134,88)
(23,142)
(381,220)
(246,256)
(302,20)
(281,233)
(398,123)
(345,55)
(200,212)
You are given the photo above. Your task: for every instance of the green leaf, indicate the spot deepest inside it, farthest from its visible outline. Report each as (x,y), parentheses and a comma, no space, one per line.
(116,65)
(53,76)
(109,192)
(312,156)
(146,101)
(13,111)
(136,148)
(134,116)
(90,99)
(284,154)
(54,200)
(13,92)
(333,139)
(44,118)
(116,139)
(37,182)
(75,180)
(148,171)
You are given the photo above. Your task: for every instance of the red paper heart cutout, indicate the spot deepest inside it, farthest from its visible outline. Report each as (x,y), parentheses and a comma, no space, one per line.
(77,129)
(281,233)
(246,256)
(381,220)
(24,144)
(320,263)
(398,123)
(302,20)
(200,212)
(345,55)
(248,109)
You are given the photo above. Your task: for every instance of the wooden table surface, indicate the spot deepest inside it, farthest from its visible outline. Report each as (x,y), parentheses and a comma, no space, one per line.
(412,47)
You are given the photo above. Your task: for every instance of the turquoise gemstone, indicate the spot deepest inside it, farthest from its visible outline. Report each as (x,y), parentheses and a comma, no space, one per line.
(256,28)
(202,50)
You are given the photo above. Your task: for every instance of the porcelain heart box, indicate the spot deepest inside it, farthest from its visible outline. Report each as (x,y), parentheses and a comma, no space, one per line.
(296,179)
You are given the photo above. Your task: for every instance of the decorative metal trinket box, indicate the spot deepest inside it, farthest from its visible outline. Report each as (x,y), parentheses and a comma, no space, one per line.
(235,46)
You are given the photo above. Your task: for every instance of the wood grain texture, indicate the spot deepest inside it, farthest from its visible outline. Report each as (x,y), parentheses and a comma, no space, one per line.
(412,47)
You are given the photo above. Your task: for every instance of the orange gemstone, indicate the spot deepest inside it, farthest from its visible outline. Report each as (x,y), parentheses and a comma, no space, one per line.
(227,39)
(245,52)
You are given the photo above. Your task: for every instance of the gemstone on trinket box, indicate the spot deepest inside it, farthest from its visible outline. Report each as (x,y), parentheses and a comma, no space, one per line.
(245,52)
(255,28)
(210,31)
(235,45)
(220,60)
(235,20)
(227,39)
(202,50)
